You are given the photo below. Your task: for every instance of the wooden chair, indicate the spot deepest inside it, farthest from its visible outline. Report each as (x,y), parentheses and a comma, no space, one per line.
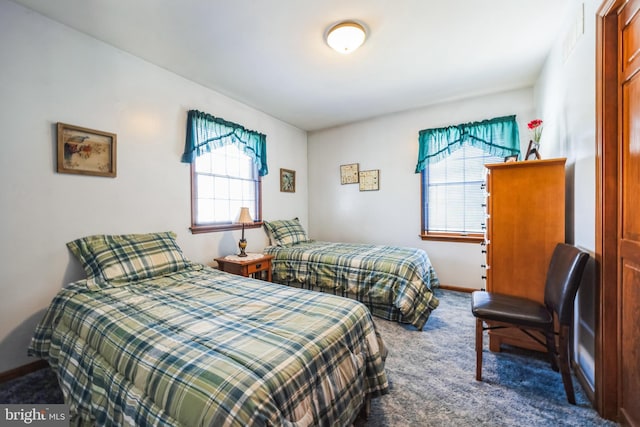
(506,311)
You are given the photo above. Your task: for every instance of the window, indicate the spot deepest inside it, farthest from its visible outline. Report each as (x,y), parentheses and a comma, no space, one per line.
(227,166)
(451,163)
(223,181)
(453,194)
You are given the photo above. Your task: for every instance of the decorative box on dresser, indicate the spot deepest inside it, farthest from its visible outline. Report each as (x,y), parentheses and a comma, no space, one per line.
(525,220)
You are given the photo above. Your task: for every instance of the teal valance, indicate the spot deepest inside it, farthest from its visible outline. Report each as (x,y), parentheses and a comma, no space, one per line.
(498,137)
(206,132)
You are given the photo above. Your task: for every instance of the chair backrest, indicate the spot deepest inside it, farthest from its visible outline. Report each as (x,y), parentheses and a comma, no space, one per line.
(563,280)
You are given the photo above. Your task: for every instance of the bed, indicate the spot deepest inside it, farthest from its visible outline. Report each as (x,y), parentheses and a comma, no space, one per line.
(150,338)
(395,283)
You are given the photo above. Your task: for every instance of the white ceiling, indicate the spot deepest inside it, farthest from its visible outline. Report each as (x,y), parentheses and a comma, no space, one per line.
(271,54)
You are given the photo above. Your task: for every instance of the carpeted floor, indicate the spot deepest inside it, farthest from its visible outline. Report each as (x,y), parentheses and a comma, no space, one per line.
(432,377)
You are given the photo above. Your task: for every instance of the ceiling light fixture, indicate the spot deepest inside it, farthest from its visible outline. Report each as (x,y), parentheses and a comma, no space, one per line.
(345,37)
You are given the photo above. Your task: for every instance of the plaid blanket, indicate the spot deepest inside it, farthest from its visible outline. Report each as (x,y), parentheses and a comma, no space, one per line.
(202,347)
(395,283)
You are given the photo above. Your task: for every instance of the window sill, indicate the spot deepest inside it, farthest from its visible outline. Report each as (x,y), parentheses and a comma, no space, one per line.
(453,237)
(198,229)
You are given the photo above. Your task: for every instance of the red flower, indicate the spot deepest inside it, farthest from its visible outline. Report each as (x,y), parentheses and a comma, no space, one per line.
(535,126)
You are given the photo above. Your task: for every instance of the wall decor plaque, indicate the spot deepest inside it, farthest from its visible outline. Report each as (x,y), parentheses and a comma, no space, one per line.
(370,180)
(349,173)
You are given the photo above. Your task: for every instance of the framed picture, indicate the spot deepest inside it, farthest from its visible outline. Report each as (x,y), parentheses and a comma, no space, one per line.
(349,174)
(510,159)
(86,151)
(532,151)
(370,180)
(287,180)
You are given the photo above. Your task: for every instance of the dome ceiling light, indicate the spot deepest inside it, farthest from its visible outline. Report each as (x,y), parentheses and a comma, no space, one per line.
(345,37)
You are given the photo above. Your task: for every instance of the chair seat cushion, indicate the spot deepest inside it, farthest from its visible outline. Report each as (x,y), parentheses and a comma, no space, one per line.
(510,309)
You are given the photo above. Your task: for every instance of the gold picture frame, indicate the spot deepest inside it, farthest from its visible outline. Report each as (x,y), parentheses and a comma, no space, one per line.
(86,151)
(349,174)
(287,180)
(370,180)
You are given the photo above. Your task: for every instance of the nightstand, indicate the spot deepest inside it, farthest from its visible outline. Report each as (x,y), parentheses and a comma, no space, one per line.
(254,265)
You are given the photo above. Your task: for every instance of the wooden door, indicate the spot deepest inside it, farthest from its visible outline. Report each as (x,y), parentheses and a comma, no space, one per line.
(629,216)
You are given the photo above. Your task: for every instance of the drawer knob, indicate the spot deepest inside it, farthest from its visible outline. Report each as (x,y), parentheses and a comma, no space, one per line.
(258,265)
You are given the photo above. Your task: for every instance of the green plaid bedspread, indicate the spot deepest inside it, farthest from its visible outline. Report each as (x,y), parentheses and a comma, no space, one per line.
(394,282)
(204,348)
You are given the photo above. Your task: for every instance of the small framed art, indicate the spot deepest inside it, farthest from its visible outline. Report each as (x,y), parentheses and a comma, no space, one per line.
(509,159)
(287,180)
(532,150)
(86,151)
(370,180)
(349,174)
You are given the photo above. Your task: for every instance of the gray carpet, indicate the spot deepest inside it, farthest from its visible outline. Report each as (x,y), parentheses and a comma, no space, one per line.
(432,377)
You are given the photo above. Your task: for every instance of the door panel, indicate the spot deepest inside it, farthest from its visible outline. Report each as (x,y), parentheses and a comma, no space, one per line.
(629,209)
(630,344)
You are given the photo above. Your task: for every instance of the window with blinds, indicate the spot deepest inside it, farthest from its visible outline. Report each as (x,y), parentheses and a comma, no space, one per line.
(224,180)
(453,196)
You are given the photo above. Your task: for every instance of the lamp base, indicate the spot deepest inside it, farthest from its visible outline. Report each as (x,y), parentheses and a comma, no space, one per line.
(242,244)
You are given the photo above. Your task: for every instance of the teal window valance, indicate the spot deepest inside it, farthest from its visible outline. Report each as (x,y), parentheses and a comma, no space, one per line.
(498,137)
(206,132)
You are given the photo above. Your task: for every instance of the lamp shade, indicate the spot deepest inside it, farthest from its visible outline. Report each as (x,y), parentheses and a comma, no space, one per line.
(346,37)
(244,217)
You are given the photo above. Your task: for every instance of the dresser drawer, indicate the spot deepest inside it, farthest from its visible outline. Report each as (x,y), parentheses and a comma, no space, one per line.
(259,266)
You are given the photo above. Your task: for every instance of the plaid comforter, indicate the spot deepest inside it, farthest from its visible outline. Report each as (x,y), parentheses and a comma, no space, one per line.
(395,283)
(201,347)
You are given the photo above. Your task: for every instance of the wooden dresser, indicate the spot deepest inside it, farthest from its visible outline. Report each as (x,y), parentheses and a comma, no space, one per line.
(525,220)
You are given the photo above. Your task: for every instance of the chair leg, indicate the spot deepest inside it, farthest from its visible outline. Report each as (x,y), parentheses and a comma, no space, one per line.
(563,359)
(551,348)
(479,345)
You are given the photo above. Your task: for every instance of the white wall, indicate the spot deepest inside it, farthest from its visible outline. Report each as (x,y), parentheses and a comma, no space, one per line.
(50,73)
(565,100)
(392,214)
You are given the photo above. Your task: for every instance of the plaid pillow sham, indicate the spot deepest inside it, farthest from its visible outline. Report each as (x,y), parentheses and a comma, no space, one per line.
(119,259)
(80,249)
(285,232)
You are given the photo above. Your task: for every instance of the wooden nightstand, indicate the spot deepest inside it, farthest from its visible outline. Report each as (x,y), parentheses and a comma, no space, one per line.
(251,266)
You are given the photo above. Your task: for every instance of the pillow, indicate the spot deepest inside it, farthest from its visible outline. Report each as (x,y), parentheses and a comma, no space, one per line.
(111,260)
(285,232)
(80,249)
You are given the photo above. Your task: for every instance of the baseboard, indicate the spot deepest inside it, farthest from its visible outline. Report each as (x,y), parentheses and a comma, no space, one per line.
(22,370)
(456,288)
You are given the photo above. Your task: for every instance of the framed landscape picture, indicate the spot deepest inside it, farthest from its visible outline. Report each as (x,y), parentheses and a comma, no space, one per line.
(86,151)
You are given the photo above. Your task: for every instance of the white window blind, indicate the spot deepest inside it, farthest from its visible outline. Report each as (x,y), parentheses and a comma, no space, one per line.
(224,180)
(454,196)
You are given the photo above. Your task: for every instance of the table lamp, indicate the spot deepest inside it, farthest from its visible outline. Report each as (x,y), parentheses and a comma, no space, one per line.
(244,218)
